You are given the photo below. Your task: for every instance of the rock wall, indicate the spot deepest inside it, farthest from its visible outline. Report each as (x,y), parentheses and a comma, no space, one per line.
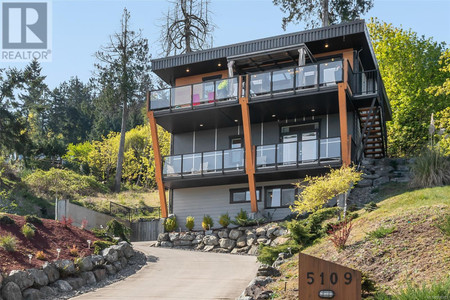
(64,275)
(242,240)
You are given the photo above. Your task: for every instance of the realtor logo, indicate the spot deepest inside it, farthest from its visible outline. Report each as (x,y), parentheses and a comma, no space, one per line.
(25,31)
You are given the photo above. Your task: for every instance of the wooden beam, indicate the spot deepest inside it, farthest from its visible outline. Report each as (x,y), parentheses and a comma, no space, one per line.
(249,150)
(345,153)
(158,162)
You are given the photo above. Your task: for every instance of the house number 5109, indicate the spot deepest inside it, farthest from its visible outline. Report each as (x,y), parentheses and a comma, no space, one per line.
(333,278)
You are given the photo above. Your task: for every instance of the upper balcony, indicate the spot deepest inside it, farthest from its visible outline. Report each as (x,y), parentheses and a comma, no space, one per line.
(274,84)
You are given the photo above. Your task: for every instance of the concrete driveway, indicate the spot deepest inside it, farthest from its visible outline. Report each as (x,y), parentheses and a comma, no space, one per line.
(179,274)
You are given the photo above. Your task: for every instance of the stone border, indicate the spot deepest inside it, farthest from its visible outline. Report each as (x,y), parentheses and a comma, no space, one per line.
(63,279)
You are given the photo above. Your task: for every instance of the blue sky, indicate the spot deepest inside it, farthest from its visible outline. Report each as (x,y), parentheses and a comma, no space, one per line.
(80,27)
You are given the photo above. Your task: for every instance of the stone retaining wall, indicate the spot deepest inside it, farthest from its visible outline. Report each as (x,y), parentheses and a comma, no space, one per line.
(64,275)
(243,240)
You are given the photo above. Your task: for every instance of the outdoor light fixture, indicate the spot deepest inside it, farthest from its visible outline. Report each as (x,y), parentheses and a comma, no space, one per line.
(326,294)
(89,243)
(187,70)
(313,110)
(273,116)
(59,251)
(30,256)
(201,125)
(219,64)
(236,121)
(326,45)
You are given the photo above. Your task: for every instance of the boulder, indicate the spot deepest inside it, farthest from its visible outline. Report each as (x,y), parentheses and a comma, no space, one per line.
(370,176)
(235,234)
(110,254)
(119,251)
(279,240)
(263,240)
(85,264)
(227,243)
(173,236)
(271,231)
(110,269)
(253,250)
(223,234)
(75,282)
(208,248)
(39,277)
(11,291)
(364,183)
(199,247)
(32,294)
(241,241)
(22,278)
(124,262)
(166,244)
(211,240)
(163,237)
(65,267)
(187,236)
(240,250)
(251,238)
(261,231)
(266,270)
(221,250)
(88,277)
(281,232)
(47,291)
(51,271)
(62,286)
(118,266)
(381,180)
(97,259)
(182,243)
(100,274)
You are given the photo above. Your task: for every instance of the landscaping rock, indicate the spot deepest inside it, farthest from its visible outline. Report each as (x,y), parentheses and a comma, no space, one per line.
(279,240)
(240,250)
(266,270)
(32,294)
(97,260)
(182,243)
(163,237)
(271,231)
(263,240)
(211,240)
(223,234)
(65,267)
(117,265)
(187,237)
(166,244)
(227,243)
(48,291)
(124,262)
(11,291)
(22,278)
(173,236)
(62,286)
(119,251)
(85,264)
(261,231)
(208,248)
(221,250)
(75,282)
(251,238)
(51,271)
(381,180)
(241,242)
(364,183)
(253,250)
(110,269)
(100,274)
(88,277)
(370,176)
(199,247)
(110,254)
(235,234)
(39,277)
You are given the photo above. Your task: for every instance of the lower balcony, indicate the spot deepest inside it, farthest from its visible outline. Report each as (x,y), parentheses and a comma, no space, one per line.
(289,156)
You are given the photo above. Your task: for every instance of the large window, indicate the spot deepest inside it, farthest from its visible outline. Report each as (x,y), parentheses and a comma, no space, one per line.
(280,196)
(243,195)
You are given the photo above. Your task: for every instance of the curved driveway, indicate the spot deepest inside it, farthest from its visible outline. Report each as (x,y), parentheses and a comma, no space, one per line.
(180,274)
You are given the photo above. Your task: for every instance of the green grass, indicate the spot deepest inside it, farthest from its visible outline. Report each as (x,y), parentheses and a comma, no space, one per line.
(440,290)
(444,224)
(380,232)
(8,242)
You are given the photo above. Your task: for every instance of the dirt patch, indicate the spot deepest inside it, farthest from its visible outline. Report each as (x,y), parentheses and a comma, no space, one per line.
(49,237)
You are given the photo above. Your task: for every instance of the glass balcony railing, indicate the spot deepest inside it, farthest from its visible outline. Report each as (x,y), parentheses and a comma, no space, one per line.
(291,80)
(204,163)
(298,153)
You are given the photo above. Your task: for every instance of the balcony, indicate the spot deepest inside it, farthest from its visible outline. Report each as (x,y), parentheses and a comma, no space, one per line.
(294,80)
(268,157)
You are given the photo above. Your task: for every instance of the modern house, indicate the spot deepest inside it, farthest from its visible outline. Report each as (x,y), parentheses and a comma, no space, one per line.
(250,119)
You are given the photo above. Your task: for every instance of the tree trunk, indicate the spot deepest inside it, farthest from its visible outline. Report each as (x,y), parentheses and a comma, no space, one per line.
(325,17)
(118,179)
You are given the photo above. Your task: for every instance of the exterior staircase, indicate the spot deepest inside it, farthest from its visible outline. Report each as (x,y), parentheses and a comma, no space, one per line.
(371,130)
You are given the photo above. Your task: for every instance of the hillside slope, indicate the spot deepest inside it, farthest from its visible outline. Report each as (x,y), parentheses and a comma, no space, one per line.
(416,252)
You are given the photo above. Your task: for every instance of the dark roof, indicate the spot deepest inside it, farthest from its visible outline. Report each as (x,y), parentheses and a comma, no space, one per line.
(279,41)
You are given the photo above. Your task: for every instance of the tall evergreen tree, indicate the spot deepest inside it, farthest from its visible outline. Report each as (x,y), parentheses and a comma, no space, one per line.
(120,69)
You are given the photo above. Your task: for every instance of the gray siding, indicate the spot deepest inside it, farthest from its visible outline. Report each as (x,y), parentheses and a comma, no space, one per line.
(182,143)
(204,140)
(215,201)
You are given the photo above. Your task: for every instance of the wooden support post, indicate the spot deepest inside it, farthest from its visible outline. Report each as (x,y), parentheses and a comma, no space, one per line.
(158,162)
(343,123)
(249,149)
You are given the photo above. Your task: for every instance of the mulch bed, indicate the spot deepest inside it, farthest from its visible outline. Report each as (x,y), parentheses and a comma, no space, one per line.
(48,237)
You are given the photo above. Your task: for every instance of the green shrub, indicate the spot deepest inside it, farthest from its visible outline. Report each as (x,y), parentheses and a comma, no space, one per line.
(380,232)
(170,224)
(8,243)
(5,220)
(33,219)
(100,245)
(190,223)
(352,207)
(207,223)
(62,184)
(300,232)
(430,169)
(268,254)
(115,228)
(242,219)
(444,225)
(439,290)
(28,230)
(371,206)
(225,220)
(368,286)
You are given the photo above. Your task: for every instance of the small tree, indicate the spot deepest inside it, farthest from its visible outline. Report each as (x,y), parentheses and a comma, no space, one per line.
(318,190)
